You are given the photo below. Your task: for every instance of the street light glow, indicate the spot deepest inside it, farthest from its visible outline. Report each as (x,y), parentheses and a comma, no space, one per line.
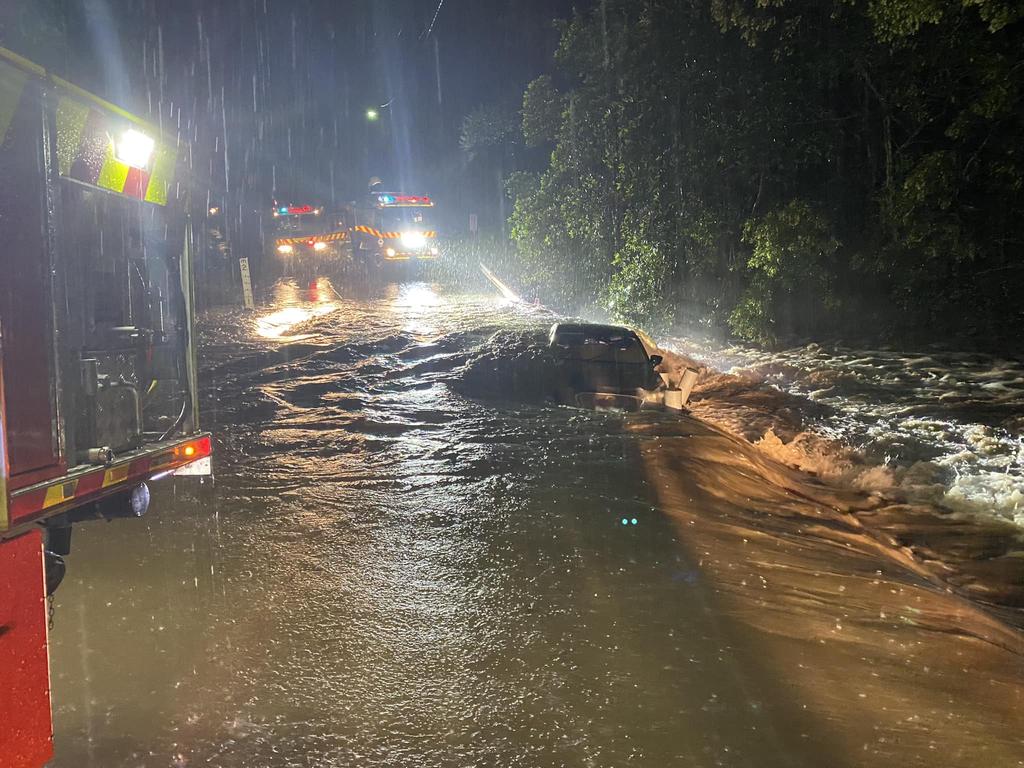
(372,114)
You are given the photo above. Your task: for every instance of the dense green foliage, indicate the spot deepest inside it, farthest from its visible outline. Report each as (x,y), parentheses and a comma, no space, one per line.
(783,167)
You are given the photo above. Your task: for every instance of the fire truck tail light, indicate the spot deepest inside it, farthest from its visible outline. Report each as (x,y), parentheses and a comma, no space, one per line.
(199,462)
(196,449)
(180,455)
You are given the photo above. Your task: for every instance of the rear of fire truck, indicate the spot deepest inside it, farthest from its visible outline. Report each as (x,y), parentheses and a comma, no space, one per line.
(97,358)
(395,228)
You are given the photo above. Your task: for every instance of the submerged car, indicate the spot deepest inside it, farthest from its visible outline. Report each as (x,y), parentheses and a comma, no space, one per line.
(603,366)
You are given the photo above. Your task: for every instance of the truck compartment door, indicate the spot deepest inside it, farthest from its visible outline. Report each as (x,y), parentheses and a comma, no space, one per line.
(26,315)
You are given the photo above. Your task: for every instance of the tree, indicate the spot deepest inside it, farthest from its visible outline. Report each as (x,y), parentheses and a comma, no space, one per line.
(784,168)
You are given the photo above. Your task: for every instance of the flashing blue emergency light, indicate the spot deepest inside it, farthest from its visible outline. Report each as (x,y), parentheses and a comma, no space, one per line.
(283,210)
(386,199)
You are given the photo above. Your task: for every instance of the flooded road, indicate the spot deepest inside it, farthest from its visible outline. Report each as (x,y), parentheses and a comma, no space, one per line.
(947,425)
(389,573)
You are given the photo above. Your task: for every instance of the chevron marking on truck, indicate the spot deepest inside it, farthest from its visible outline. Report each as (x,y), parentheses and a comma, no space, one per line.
(332,237)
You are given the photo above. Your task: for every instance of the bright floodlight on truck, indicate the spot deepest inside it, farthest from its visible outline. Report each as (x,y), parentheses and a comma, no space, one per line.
(285,248)
(319,245)
(413,240)
(134,148)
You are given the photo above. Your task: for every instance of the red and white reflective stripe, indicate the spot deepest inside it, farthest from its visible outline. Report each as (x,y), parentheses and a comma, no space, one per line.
(75,489)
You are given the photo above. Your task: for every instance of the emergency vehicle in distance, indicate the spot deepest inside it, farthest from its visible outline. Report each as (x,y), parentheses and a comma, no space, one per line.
(305,237)
(393,228)
(98,390)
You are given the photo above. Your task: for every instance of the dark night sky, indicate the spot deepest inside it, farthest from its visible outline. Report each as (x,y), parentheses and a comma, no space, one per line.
(285,84)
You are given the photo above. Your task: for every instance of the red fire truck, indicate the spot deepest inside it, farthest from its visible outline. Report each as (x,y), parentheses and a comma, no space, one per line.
(97,355)
(306,238)
(394,227)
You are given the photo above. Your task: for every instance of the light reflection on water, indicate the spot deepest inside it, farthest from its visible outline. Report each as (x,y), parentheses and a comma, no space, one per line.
(418,304)
(388,574)
(297,307)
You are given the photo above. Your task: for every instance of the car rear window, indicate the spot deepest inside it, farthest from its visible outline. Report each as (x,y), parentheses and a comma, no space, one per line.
(604,347)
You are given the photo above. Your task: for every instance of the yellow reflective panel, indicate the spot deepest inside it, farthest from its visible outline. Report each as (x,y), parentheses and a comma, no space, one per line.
(162,175)
(114,173)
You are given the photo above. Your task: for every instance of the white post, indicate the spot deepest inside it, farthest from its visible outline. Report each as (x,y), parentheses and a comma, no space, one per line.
(243,266)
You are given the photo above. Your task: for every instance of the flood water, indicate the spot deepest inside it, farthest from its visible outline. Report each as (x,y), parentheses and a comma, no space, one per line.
(949,425)
(386,572)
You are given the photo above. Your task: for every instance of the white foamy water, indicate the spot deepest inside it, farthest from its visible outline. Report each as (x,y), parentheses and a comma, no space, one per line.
(944,424)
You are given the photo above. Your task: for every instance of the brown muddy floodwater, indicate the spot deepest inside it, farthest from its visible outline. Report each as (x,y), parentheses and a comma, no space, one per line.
(388,573)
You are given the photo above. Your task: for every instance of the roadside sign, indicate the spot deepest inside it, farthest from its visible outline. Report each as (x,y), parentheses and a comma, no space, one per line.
(243,266)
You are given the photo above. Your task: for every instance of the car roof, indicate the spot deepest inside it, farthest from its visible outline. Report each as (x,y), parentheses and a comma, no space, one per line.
(594,330)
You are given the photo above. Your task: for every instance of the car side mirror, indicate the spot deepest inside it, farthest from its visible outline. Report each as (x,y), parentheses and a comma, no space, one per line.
(656,360)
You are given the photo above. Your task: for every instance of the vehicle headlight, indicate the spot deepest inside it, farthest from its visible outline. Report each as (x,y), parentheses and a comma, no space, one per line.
(285,248)
(413,240)
(391,252)
(319,245)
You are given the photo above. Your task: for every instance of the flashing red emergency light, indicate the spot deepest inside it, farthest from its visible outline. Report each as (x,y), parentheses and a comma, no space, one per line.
(409,200)
(294,210)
